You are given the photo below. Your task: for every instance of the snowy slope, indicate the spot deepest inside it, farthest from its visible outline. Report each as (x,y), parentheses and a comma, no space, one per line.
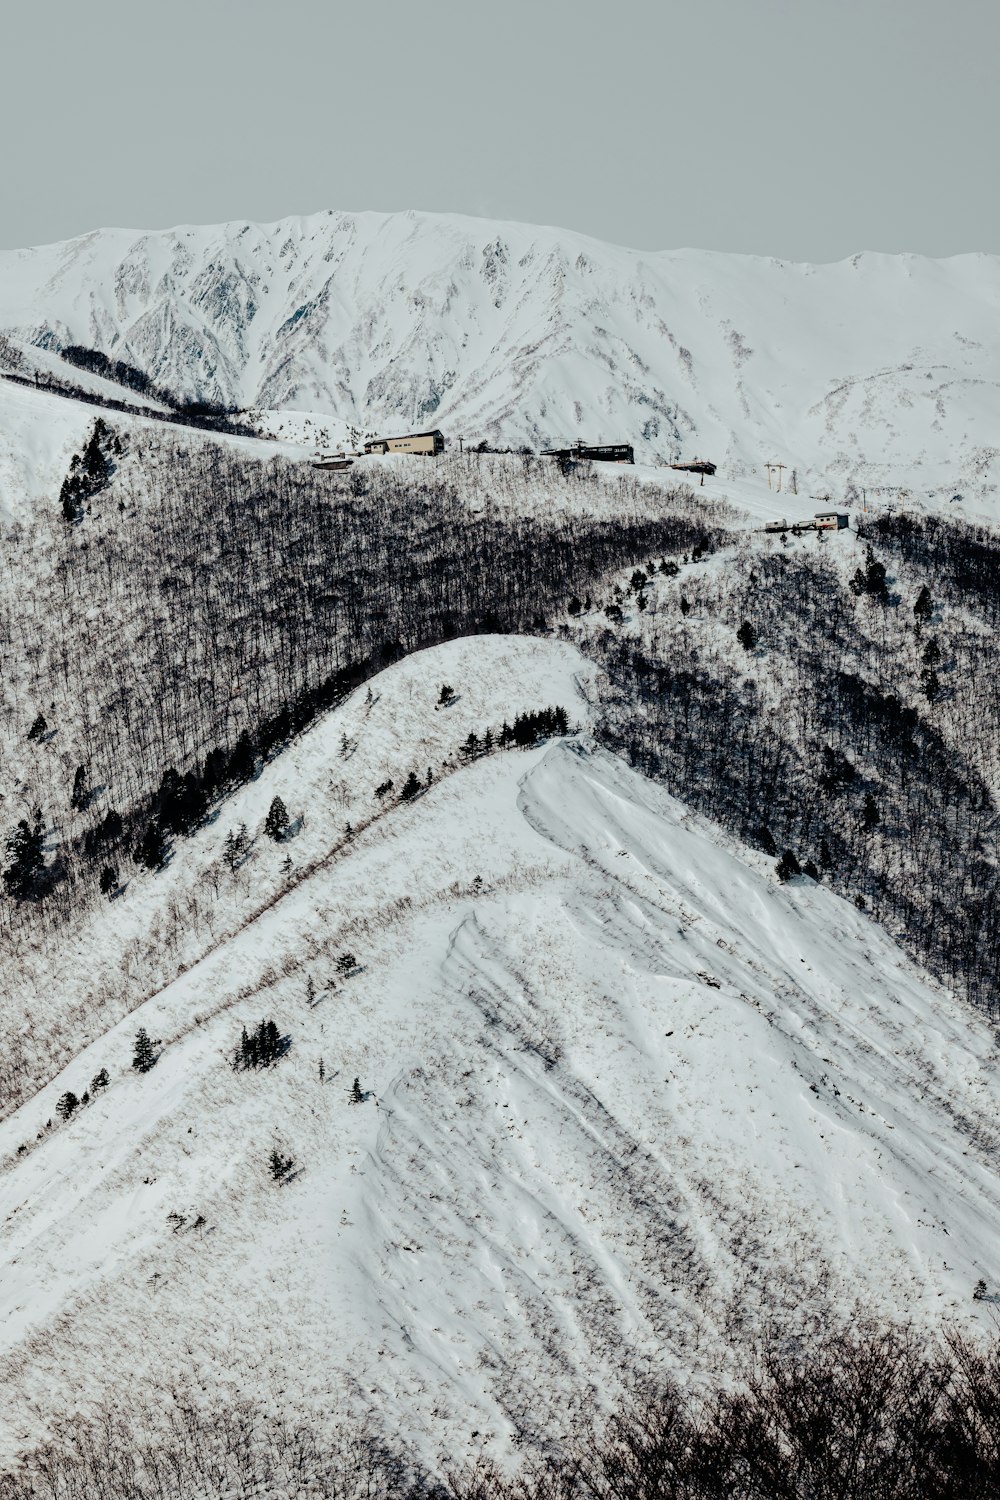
(879,370)
(627,1098)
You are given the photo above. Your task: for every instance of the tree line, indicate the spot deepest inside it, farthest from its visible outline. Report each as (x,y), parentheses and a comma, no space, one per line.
(873,1413)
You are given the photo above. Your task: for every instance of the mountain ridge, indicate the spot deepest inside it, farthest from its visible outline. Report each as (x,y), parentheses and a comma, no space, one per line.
(871,371)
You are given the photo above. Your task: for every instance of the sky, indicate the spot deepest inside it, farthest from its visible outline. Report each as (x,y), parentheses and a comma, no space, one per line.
(804,129)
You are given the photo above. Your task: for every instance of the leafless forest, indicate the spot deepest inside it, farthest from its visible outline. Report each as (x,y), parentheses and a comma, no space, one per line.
(845,722)
(863,1415)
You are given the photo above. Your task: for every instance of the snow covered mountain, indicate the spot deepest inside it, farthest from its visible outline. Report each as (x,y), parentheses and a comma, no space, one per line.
(627,1101)
(881,370)
(574,1091)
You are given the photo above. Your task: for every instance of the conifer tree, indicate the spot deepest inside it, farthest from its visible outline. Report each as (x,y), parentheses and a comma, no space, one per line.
(151,851)
(66,1105)
(870,817)
(276,822)
(78,796)
(235,848)
(143,1056)
(25,869)
(109,880)
(923,609)
(411,786)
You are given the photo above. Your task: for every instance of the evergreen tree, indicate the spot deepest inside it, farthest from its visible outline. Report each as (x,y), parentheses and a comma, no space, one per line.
(99,1081)
(932,653)
(109,880)
(356,1096)
(258,1048)
(747,636)
(446,696)
(870,816)
(38,728)
(236,846)
(411,787)
(243,761)
(685,606)
(787,866)
(25,870)
(72,495)
(181,801)
(78,797)
(872,580)
(151,851)
(765,839)
(143,1056)
(66,1105)
(923,609)
(214,774)
(276,822)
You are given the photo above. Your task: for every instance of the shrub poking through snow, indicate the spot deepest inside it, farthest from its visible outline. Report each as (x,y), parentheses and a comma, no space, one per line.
(281,1166)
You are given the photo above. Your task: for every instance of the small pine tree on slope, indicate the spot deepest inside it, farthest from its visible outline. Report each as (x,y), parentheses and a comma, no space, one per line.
(143,1057)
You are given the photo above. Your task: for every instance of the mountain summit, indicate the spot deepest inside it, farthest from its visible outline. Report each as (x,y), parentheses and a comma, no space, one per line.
(876,370)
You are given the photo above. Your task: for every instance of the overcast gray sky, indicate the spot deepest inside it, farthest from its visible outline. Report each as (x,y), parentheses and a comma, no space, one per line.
(801,128)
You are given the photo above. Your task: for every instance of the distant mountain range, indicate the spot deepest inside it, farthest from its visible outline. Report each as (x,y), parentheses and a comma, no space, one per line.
(879,370)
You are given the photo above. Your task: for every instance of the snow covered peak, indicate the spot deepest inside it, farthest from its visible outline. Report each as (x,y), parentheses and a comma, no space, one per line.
(879,369)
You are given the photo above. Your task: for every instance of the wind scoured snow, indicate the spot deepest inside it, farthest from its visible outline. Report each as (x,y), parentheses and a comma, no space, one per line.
(627,1098)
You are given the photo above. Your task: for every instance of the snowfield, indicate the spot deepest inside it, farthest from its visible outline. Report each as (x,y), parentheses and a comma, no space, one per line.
(879,372)
(573,1093)
(626,1098)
